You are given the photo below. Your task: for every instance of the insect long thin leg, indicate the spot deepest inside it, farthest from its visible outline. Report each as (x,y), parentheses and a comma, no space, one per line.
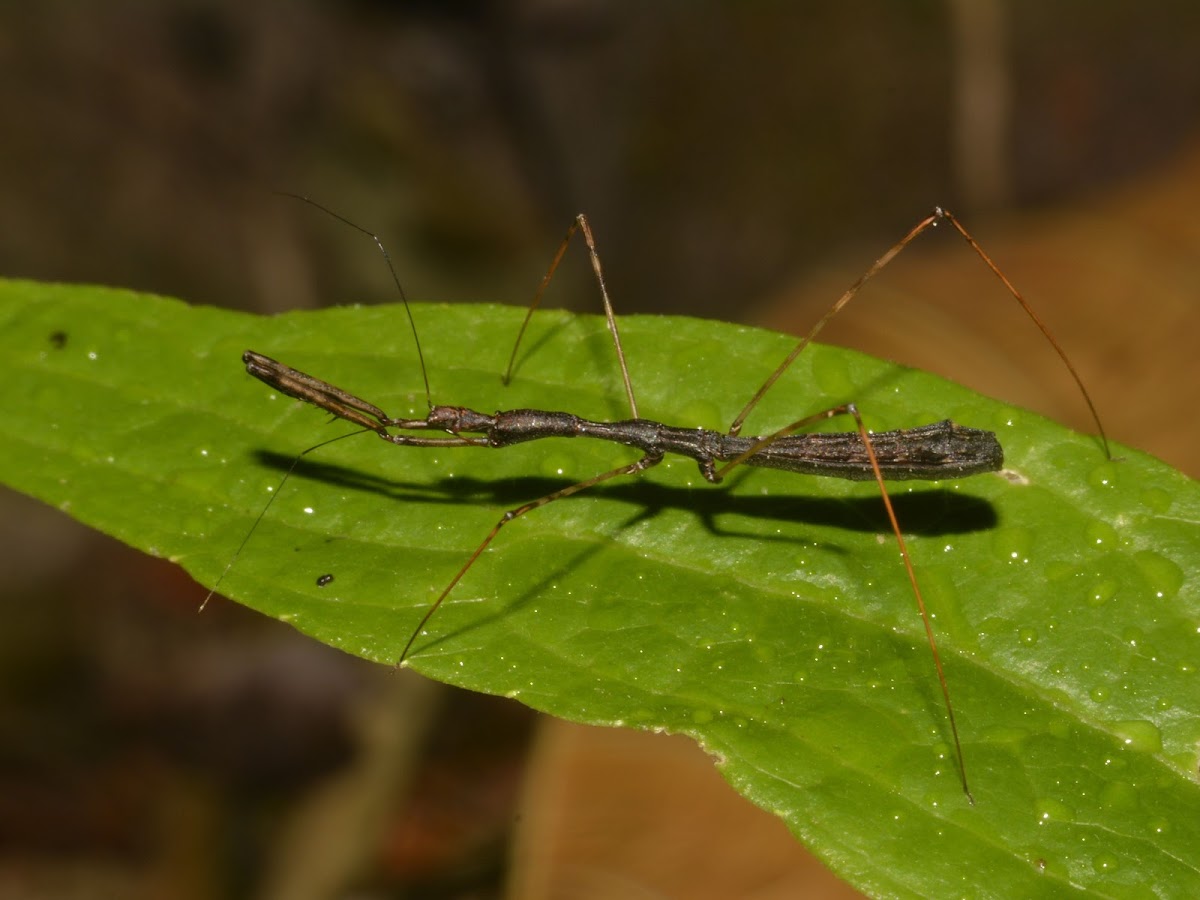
(736,426)
(537,298)
(937,216)
(580,224)
(912,580)
(851,410)
(1037,320)
(632,468)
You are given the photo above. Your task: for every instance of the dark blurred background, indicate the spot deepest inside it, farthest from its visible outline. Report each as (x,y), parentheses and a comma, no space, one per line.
(739,161)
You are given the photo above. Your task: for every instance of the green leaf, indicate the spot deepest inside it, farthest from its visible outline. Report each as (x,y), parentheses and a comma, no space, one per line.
(769,617)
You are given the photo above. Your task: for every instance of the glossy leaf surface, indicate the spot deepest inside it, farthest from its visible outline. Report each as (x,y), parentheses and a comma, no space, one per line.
(769,617)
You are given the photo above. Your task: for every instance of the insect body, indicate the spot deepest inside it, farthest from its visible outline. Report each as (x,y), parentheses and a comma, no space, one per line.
(942,450)
(931,452)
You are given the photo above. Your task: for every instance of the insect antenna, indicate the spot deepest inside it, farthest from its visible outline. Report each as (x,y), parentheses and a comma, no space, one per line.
(266,507)
(391,268)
